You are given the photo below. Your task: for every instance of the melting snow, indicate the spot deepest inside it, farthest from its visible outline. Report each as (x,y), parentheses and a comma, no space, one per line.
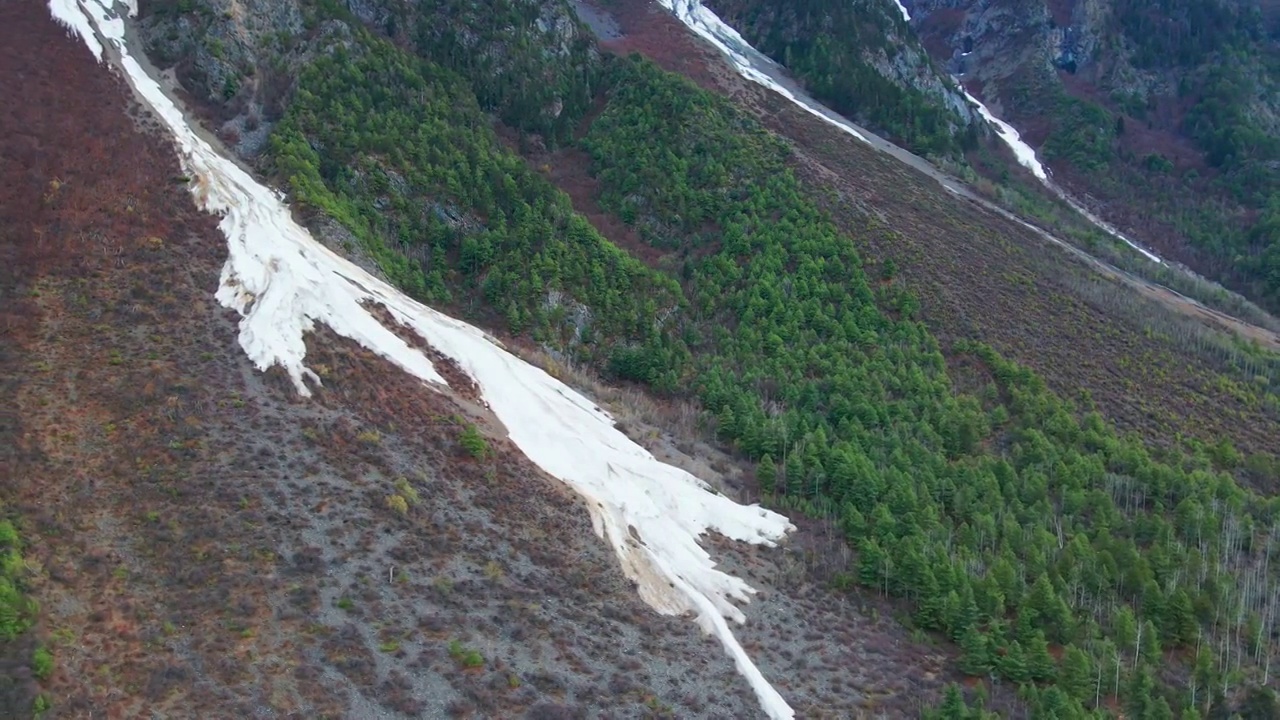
(283,283)
(747,61)
(744,57)
(1025,154)
(1027,158)
(73,18)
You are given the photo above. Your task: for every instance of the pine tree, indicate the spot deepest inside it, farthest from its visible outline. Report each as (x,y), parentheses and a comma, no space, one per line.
(1043,602)
(870,564)
(976,657)
(1007,578)
(1125,628)
(1140,694)
(931,606)
(767,474)
(1013,664)
(1150,650)
(1077,676)
(795,475)
(967,611)
(952,615)
(989,597)
(726,424)
(910,568)
(1057,705)
(1040,664)
(1179,619)
(953,706)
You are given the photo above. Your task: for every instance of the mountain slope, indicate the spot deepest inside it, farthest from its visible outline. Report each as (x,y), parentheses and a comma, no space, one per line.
(1048,68)
(235,526)
(236,552)
(1165,114)
(863,58)
(1015,517)
(645,30)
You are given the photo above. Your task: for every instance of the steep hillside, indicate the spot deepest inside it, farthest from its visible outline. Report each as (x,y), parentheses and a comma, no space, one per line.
(1059,489)
(204,543)
(1165,115)
(1158,118)
(863,59)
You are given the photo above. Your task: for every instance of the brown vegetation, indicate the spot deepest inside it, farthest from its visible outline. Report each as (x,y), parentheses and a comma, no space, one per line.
(207,544)
(981,276)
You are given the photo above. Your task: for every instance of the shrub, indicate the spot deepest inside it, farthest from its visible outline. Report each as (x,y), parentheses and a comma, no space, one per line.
(42,663)
(407,491)
(464,656)
(473,442)
(398,504)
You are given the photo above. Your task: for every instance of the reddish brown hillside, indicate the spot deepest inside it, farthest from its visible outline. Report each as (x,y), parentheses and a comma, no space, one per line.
(202,543)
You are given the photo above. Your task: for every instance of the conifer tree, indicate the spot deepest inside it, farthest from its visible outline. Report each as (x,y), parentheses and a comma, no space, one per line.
(976,657)
(1040,664)
(767,474)
(1077,675)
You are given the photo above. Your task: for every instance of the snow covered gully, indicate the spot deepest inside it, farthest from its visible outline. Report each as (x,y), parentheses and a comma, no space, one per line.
(748,62)
(1027,158)
(282,282)
(746,59)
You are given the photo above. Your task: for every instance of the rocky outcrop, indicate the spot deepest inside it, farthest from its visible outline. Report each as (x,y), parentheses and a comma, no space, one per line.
(862,60)
(239,59)
(1164,114)
(911,66)
(989,41)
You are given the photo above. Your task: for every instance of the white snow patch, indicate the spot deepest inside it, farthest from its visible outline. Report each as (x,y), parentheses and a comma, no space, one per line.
(1025,154)
(743,56)
(906,15)
(69,14)
(283,283)
(1027,158)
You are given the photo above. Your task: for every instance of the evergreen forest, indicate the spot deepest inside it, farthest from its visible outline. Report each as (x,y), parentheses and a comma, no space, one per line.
(1096,574)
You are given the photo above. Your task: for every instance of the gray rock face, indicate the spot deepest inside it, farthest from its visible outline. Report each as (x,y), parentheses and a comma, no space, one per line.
(601,22)
(994,39)
(912,67)
(987,43)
